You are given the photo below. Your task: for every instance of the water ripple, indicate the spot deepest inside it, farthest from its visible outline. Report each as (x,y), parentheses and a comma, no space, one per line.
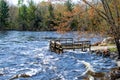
(26,56)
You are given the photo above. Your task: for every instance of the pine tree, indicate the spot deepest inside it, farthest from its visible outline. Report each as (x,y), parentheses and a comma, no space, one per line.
(23,17)
(50,22)
(4,14)
(31,14)
(51,11)
(69,5)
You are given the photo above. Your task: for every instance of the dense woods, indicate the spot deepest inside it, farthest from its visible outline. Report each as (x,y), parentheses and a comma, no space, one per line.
(61,16)
(51,16)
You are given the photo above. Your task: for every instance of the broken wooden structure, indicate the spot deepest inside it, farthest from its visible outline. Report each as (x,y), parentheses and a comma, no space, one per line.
(59,45)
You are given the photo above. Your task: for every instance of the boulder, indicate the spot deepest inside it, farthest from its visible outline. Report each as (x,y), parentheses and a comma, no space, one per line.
(103,52)
(106,53)
(108,40)
(98,52)
(95,75)
(115,73)
(20,76)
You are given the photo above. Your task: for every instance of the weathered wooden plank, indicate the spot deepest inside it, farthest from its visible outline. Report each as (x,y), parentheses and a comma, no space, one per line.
(59,45)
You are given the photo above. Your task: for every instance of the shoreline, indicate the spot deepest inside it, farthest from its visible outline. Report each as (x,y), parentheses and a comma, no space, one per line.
(114,73)
(113,54)
(101,47)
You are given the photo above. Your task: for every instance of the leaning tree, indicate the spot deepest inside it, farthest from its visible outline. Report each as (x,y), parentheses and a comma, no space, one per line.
(110,12)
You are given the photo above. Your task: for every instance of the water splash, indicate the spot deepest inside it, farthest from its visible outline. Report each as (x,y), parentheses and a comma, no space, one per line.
(89,67)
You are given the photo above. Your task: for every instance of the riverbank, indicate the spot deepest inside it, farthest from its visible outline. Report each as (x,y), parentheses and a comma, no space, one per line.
(114,73)
(102,47)
(113,55)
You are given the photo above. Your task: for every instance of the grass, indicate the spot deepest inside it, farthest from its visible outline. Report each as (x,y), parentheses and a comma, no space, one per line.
(111,45)
(113,49)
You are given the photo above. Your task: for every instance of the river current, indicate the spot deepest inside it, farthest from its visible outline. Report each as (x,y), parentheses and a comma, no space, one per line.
(26,56)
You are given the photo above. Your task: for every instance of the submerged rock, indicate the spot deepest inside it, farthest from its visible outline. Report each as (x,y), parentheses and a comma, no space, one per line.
(20,76)
(106,52)
(96,76)
(103,52)
(108,40)
(1,74)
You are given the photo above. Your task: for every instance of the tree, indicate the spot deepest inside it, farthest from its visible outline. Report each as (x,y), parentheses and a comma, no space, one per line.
(4,14)
(51,11)
(43,13)
(31,14)
(22,18)
(111,14)
(38,21)
(13,16)
(50,22)
(69,5)
(64,19)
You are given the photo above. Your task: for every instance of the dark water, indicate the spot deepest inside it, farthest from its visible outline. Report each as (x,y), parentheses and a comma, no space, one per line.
(27,53)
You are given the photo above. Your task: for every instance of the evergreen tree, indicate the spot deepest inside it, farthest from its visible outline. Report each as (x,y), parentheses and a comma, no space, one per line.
(69,5)
(40,21)
(23,17)
(31,14)
(51,11)
(4,14)
(50,22)
(13,16)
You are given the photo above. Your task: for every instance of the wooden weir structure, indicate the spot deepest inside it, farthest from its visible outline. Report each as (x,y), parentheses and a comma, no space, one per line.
(59,45)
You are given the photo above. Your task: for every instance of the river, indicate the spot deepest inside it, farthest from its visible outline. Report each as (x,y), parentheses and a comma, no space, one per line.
(25,55)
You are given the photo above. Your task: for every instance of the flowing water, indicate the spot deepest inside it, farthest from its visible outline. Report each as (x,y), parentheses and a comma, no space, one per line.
(26,56)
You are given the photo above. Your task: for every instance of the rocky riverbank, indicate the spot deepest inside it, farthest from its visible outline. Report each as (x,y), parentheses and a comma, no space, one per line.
(114,74)
(105,51)
(106,47)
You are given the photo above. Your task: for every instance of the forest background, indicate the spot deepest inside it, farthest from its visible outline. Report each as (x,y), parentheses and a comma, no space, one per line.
(50,16)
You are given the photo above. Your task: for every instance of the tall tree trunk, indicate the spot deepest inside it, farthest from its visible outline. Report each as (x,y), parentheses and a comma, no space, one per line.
(117,42)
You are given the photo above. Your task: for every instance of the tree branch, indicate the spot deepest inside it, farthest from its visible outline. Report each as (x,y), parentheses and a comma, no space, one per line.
(101,13)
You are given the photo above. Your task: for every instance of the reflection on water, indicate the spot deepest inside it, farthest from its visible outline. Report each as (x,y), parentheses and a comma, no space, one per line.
(25,55)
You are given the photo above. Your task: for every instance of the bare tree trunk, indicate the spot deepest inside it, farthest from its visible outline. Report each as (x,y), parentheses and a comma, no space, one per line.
(118,46)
